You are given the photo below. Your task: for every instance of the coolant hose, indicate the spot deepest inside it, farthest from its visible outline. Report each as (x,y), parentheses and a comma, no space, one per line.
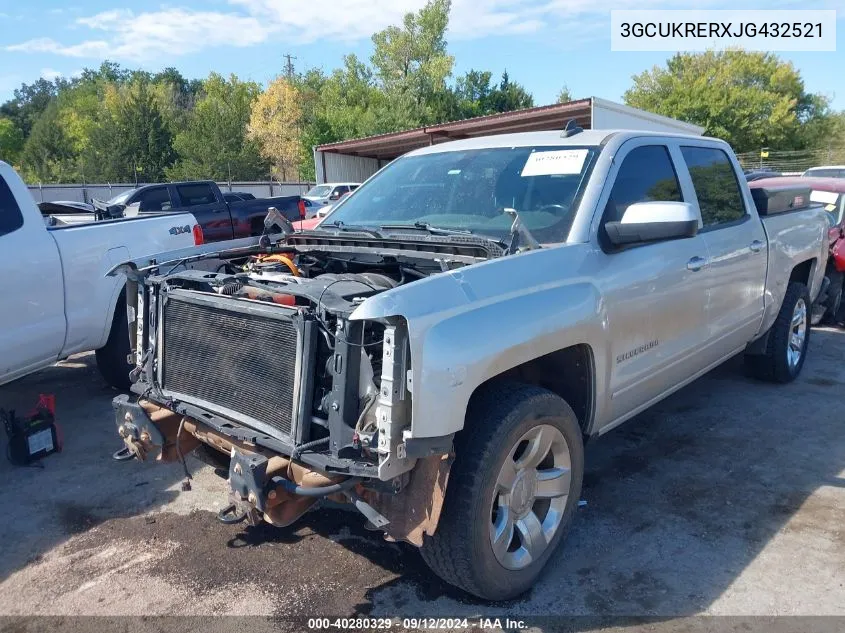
(322,491)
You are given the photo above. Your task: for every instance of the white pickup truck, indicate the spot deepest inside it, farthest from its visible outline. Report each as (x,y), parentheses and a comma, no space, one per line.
(56,298)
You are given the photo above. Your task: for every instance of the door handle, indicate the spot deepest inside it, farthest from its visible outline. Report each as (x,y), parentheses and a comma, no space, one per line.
(696,264)
(756,246)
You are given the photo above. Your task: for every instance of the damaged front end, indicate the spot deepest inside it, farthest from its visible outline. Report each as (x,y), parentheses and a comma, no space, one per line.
(261,362)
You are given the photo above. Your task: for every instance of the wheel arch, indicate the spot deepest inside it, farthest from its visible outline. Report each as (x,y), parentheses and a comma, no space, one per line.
(568,372)
(803,271)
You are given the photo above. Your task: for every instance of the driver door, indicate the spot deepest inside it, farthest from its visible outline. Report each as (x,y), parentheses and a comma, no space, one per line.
(655,293)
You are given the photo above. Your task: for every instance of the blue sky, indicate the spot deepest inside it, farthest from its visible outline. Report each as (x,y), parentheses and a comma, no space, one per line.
(544,44)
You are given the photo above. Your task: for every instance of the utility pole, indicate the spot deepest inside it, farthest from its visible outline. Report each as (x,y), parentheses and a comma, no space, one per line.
(289,65)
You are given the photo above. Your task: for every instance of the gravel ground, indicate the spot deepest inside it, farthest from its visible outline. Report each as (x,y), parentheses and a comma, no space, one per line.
(726,499)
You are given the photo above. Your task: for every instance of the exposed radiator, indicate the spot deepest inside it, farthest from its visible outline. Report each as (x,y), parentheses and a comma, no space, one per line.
(236,360)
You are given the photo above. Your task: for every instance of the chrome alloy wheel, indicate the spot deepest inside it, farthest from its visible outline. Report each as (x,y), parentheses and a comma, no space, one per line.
(797,334)
(530,497)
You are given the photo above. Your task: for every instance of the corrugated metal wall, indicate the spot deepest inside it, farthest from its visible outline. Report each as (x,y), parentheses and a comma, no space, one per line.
(345,168)
(608,115)
(85,193)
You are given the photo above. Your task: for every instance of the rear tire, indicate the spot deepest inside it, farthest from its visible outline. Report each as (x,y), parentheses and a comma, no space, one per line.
(532,434)
(789,337)
(112,358)
(833,306)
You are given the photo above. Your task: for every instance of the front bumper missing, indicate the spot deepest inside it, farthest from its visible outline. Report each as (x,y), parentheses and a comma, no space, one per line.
(261,482)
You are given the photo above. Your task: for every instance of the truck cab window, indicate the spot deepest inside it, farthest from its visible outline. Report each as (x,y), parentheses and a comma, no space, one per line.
(716,185)
(11,218)
(646,175)
(195,195)
(157,199)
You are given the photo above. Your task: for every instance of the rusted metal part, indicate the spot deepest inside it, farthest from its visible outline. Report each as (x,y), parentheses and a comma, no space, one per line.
(416,511)
(167,422)
(281,508)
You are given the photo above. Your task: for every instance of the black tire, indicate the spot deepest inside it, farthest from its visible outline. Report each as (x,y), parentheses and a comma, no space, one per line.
(460,551)
(112,357)
(773,365)
(833,304)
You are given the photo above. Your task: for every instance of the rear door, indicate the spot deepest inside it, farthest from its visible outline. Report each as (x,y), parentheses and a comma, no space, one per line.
(736,242)
(213,216)
(32,316)
(655,293)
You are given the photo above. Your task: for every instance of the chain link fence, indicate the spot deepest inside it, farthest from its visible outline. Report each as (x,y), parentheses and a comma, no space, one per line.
(792,161)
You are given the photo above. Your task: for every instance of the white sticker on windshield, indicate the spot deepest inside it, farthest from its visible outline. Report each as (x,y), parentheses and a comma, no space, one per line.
(825,197)
(557,163)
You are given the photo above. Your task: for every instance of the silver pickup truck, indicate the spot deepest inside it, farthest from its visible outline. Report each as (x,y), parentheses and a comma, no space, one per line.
(438,353)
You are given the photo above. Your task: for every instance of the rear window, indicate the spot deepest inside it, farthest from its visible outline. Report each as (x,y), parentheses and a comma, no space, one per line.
(194,195)
(11,218)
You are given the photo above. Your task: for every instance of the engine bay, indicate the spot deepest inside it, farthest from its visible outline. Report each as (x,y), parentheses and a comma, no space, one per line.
(348,379)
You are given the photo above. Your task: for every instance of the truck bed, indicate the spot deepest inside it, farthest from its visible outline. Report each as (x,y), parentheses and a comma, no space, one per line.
(793,237)
(88,251)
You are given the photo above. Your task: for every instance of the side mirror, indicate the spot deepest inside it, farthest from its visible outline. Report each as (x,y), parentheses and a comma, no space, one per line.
(115,210)
(132,210)
(653,222)
(335,196)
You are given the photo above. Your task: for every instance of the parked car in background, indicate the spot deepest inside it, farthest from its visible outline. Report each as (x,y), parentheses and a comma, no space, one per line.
(328,193)
(220,220)
(760,174)
(830,194)
(57,299)
(829,171)
(324,211)
(457,327)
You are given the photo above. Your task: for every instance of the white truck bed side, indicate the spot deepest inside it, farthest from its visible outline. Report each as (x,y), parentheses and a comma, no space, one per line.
(88,252)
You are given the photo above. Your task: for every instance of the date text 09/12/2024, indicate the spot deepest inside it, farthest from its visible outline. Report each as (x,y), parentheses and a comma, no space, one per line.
(415,623)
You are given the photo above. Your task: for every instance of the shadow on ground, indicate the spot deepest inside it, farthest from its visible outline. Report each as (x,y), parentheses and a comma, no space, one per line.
(726,498)
(68,493)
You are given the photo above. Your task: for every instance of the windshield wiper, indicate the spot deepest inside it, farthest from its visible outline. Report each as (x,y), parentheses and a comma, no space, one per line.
(425,226)
(438,230)
(340,225)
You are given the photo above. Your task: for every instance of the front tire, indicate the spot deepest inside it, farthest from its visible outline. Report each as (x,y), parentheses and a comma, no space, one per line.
(112,357)
(789,337)
(512,493)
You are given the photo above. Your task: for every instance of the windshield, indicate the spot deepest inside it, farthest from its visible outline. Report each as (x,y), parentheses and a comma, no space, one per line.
(825,173)
(320,191)
(469,190)
(120,198)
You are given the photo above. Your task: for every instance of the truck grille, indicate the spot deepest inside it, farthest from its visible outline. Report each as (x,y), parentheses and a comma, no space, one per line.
(239,361)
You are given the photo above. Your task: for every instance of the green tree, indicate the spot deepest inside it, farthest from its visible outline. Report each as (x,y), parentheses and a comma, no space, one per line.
(47,154)
(509,96)
(750,99)
(214,145)
(412,60)
(28,103)
(11,141)
(133,141)
(564,96)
